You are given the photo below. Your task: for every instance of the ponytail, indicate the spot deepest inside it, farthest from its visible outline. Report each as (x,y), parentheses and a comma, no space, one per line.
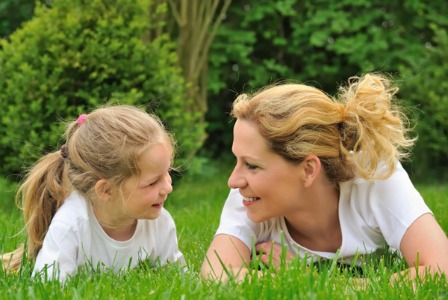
(40,196)
(374,128)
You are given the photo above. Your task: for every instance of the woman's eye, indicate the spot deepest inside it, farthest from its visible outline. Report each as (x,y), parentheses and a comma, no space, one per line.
(251,167)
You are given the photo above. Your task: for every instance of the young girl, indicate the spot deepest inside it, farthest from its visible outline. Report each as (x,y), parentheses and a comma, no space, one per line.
(98,201)
(325,174)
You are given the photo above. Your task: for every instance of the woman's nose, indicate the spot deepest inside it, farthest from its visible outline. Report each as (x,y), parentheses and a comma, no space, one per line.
(236,180)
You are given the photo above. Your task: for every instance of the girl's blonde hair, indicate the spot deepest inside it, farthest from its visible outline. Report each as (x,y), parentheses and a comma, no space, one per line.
(104,145)
(351,134)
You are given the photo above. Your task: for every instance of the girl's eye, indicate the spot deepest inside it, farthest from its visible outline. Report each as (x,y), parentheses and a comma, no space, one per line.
(251,167)
(153,183)
(159,178)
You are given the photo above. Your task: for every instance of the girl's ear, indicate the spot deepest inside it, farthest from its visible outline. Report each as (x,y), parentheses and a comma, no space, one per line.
(312,168)
(103,190)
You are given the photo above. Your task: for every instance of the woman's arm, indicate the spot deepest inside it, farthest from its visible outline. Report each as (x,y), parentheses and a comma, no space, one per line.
(425,248)
(226,257)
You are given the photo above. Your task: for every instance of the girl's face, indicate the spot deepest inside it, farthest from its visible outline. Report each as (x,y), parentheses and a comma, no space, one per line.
(270,185)
(145,194)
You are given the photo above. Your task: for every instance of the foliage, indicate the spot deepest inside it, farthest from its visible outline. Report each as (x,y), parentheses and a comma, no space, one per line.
(13,13)
(259,42)
(426,90)
(78,55)
(323,43)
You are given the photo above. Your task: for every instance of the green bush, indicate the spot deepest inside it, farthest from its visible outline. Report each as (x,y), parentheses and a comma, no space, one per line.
(426,89)
(73,57)
(13,13)
(323,43)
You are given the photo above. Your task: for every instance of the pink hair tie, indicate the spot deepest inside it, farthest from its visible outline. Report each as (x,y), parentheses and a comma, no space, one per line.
(81,119)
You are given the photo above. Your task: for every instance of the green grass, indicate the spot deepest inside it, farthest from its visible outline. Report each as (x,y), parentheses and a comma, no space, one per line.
(196,206)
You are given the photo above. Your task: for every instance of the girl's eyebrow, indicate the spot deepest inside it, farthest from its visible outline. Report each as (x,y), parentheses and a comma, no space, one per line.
(145,180)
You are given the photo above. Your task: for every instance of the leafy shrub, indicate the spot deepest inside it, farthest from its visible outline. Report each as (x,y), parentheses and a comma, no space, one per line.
(426,89)
(13,13)
(75,56)
(323,43)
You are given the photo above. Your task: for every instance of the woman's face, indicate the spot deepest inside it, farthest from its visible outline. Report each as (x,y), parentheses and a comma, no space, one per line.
(271,186)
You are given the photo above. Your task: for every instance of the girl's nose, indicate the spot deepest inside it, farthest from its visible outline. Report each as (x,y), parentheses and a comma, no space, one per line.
(167,185)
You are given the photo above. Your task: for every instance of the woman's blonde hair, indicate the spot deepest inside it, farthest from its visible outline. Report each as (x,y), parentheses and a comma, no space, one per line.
(351,134)
(105,145)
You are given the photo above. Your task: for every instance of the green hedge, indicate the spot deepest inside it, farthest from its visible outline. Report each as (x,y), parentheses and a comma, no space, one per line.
(426,89)
(323,43)
(13,13)
(77,55)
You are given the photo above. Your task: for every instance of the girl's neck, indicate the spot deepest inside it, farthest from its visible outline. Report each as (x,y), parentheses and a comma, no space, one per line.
(121,233)
(117,229)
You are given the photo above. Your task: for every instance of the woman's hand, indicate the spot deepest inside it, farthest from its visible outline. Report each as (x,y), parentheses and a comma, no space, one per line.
(274,255)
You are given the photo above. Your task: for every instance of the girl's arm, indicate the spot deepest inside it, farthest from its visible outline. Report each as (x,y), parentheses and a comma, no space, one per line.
(58,257)
(425,248)
(226,257)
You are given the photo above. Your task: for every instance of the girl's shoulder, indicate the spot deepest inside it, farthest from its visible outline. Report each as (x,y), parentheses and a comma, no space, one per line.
(74,210)
(165,216)
(163,220)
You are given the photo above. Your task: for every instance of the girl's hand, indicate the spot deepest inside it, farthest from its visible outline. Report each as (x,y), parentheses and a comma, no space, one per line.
(274,255)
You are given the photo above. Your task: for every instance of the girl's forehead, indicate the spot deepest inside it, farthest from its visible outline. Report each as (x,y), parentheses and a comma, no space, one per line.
(160,143)
(155,155)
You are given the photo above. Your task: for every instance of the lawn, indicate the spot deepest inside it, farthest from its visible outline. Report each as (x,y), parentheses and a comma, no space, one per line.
(196,204)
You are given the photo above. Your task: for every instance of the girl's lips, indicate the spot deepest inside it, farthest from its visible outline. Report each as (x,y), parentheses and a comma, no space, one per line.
(159,204)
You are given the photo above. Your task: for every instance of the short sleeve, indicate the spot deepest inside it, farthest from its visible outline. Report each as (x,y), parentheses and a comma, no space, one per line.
(168,250)
(234,220)
(396,204)
(58,255)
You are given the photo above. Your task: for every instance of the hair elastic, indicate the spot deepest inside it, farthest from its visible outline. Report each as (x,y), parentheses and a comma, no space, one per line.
(64,152)
(81,119)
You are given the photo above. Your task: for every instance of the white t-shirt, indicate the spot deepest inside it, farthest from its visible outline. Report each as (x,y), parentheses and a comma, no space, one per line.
(372,213)
(75,239)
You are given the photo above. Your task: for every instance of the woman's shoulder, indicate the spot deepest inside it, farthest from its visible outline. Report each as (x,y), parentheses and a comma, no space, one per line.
(374,195)
(398,181)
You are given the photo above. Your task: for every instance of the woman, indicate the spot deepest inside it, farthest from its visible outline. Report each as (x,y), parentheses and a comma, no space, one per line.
(323,177)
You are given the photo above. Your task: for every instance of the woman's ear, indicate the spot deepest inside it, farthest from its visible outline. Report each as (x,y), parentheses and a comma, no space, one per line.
(103,190)
(312,168)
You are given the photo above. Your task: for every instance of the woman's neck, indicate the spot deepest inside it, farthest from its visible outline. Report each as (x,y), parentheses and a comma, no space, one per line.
(317,225)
